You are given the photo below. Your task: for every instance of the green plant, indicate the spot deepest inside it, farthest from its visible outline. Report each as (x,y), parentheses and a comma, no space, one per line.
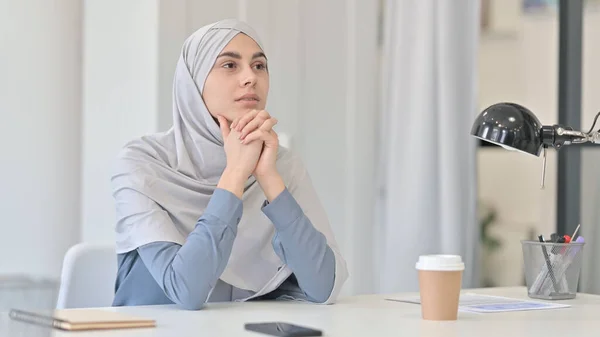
(489,244)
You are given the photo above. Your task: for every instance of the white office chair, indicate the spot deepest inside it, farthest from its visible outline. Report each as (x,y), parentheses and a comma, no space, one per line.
(88,276)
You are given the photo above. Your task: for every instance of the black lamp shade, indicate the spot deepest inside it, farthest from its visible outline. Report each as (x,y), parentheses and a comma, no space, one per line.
(511,126)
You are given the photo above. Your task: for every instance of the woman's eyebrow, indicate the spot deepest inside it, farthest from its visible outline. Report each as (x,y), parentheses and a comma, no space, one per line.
(237,56)
(259,54)
(230,54)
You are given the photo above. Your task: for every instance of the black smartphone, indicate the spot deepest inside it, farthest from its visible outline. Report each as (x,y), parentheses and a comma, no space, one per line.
(282,329)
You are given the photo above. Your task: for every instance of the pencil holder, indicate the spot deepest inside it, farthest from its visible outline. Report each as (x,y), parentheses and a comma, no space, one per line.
(552,269)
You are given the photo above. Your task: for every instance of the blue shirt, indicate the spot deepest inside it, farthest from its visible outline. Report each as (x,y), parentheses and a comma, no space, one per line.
(188,274)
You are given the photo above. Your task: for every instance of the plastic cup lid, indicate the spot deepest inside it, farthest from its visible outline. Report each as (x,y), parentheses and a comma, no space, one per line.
(440,262)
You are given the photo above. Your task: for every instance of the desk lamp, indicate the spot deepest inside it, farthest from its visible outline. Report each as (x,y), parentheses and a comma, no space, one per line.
(514,127)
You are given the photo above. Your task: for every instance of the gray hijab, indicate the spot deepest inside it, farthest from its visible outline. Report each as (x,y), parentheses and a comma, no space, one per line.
(163,182)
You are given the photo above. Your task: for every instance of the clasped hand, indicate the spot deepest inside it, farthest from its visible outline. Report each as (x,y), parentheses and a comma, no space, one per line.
(251,144)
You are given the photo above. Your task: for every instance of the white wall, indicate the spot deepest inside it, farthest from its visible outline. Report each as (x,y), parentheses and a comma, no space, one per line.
(40,61)
(173,28)
(120,89)
(323,91)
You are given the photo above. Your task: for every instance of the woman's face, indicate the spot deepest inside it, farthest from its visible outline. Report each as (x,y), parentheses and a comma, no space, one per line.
(238,81)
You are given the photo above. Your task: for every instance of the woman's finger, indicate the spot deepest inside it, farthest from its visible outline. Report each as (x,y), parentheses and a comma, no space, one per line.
(269,137)
(251,126)
(257,123)
(272,140)
(247,117)
(255,135)
(268,124)
(234,123)
(254,114)
(224,125)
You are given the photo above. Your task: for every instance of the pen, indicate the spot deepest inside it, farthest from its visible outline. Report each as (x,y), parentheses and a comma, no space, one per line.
(548,264)
(571,239)
(575,233)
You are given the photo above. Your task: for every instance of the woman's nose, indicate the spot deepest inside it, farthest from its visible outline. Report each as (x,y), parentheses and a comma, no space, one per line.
(248,77)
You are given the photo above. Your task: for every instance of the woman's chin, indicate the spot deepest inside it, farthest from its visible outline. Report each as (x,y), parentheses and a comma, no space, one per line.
(242,112)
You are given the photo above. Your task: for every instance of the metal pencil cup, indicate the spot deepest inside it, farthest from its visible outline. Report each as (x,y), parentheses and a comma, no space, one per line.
(552,269)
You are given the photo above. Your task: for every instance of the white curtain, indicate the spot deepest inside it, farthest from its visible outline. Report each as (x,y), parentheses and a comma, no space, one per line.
(428,170)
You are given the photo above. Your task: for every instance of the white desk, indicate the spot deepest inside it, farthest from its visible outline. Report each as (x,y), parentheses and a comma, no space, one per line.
(366,316)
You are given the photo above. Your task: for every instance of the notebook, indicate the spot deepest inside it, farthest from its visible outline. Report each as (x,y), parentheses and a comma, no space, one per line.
(82,319)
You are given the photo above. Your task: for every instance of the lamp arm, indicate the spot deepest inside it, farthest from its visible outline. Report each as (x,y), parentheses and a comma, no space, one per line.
(572,136)
(558,136)
(595,137)
(579,137)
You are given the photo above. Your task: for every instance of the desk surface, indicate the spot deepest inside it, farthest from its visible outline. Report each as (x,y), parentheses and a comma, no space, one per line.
(369,315)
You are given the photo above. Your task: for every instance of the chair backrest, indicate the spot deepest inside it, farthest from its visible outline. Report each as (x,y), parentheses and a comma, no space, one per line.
(88,276)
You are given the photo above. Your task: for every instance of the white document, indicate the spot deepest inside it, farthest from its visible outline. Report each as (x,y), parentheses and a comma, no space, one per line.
(470,302)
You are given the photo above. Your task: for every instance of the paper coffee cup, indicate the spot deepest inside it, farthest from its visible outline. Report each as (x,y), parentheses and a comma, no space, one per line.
(439,286)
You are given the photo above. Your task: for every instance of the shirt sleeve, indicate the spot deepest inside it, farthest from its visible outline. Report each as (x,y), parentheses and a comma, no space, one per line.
(187,273)
(303,201)
(302,247)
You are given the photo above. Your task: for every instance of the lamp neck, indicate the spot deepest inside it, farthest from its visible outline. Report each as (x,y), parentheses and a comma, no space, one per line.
(558,136)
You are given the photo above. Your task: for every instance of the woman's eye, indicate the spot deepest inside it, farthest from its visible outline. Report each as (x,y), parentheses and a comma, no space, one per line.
(260,66)
(229,65)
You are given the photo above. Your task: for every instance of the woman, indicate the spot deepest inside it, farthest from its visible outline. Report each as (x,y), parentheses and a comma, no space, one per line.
(213,209)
